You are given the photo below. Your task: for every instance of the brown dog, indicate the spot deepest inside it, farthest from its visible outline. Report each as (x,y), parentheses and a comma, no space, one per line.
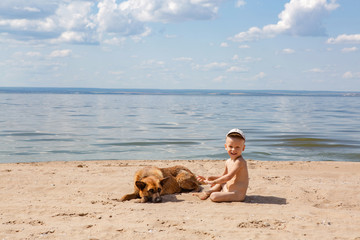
(152,182)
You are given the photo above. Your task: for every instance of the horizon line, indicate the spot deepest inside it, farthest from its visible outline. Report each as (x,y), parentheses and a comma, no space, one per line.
(183,89)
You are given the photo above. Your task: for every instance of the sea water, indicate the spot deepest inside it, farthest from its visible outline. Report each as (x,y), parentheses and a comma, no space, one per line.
(97,124)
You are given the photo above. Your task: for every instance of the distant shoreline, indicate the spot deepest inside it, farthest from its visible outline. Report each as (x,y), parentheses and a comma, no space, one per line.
(184,92)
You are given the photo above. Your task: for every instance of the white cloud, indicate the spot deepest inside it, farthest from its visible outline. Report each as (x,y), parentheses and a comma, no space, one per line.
(156,62)
(183,59)
(70,37)
(116,72)
(260,75)
(253,33)
(60,53)
(344,38)
(110,18)
(152,63)
(212,66)
(27,26)
(74,16)
(351,75)
(115,40)
(236,69)
(348,75)
(352,49)
(89,21)
(315,70)
(224,44)
(145,33)
(170,36)
(54,24)
(288,51)
(33,54)
(169,10)
(219,79)
(235,57)
(245,59)
(299,18)
(28,9)
(244,46)
(240,3)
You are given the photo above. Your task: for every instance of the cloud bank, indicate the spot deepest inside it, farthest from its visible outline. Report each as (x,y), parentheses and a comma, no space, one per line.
(91,21)
(345,39)
(299,18)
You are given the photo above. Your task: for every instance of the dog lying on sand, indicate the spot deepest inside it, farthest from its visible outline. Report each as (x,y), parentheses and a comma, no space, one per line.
(150,183)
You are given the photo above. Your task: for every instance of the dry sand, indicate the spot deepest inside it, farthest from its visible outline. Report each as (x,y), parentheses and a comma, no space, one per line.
(79,200)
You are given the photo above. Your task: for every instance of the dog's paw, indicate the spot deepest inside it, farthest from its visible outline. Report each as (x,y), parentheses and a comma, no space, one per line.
(143,199)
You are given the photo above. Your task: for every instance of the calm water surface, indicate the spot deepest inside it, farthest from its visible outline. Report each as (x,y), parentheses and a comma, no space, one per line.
(69,127)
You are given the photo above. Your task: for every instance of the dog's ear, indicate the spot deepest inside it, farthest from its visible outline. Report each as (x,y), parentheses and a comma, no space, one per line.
(164,180)
(141,185)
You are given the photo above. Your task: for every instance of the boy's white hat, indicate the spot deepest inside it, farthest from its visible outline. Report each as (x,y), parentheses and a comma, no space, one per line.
(236,131)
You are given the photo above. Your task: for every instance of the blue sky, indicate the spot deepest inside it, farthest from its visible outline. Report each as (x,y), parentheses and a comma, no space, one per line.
(181,44)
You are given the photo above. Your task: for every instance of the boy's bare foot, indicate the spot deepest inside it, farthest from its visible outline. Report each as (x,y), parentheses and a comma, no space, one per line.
(202,195)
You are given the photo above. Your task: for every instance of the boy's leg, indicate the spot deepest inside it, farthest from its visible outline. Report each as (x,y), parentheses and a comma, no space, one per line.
(205,194)
(227,197)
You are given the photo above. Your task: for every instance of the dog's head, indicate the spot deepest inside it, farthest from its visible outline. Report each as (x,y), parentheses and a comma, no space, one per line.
(150,188)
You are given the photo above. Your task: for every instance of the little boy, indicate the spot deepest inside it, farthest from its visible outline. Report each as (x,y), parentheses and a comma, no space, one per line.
(233,183)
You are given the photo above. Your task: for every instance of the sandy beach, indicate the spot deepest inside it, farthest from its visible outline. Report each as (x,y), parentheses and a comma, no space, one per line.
(80,200)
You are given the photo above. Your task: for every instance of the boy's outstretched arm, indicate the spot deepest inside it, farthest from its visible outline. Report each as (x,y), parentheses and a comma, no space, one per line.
(202,179)
(227,175)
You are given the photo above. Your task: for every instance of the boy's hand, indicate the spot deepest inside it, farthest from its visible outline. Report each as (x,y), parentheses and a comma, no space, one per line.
(201,179)
(209,182)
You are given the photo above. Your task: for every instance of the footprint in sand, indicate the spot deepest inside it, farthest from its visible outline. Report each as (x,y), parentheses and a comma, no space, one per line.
(273,224)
